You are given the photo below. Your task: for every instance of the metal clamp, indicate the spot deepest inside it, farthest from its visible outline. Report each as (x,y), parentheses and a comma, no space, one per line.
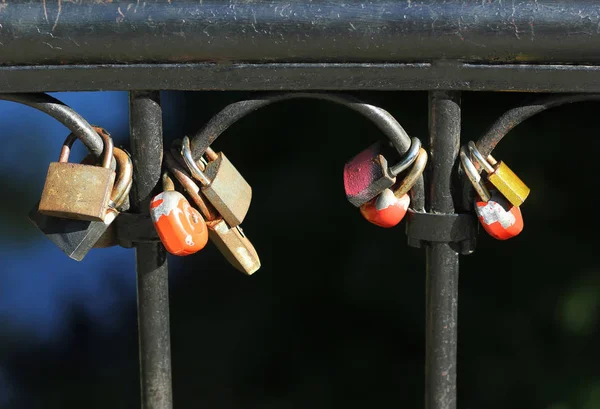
(461,228)
(135,228)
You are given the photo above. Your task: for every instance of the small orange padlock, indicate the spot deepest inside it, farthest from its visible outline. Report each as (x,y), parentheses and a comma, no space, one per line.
(181,228)
(499,218)
(386,210)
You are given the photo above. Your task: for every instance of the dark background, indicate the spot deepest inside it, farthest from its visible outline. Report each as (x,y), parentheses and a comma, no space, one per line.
(335,316)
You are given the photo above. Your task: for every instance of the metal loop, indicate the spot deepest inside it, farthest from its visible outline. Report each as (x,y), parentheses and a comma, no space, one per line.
(409,158)
(178,170)
(473,175)
(107,152)
(124,177)
(167,182)
(413,176)
(475,154)
(186,153)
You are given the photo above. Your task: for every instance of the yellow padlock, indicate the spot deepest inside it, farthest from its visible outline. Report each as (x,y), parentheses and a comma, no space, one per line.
(502,177)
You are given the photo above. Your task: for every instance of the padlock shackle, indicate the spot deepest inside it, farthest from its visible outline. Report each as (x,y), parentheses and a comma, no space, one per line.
(190,187)
(475,154)
(63,114)
(186,153)
(167,182)
(413,176)
(124,179)
(107,152)
(379,116)
(473,175)
(409,157)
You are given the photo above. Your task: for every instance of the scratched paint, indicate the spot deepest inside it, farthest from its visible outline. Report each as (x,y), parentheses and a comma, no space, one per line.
(386,210)
(498,217)
(494,31)
(180,227)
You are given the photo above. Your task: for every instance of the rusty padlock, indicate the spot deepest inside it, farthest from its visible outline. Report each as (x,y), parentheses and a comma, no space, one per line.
(76,238)
(231,242)
(222,184)
(369,173)
(77,191)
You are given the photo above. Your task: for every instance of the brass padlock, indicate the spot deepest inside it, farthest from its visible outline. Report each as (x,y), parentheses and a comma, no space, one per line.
(76,191)
(222,184)
(234,246)
(77,237)
(230,241)
(502,177)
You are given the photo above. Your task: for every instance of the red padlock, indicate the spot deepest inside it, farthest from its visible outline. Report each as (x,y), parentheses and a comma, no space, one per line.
(386,210)
(389,208)
(181,228)
(499,218)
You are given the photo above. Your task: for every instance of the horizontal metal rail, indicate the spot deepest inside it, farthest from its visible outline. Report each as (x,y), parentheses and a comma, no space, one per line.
(491,45)
(129,32)
(276,77)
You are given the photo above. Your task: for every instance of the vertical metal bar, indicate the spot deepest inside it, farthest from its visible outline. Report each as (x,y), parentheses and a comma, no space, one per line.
(442,258)
(145,118)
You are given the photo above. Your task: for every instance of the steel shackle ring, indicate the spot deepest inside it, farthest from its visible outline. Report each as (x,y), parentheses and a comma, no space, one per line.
(186,153)
(124,180)
(409,157)
(473,175)
(107,152)
(416,172)
(475,154)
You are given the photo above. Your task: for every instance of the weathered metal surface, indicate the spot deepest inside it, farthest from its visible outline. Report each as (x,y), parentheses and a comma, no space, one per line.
(151,258)
(450,75)
(442,256)
(234,246)
(228,191)
(107,32)
(76,191)
(79,191)
(232,243)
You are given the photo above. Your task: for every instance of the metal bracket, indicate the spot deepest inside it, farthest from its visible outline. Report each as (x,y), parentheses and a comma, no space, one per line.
(459,228)
(135,228)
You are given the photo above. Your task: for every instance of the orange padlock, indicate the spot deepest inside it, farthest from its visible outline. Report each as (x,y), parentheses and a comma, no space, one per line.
(181,228)
(499,218)
(386,210)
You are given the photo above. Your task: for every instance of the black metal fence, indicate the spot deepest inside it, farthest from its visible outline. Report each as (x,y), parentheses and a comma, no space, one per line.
(444,47)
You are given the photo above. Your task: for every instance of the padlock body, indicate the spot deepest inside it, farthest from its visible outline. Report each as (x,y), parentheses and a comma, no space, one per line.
(509,184)
(498,217)
(234,246)
(228,191)
(75,238)
(367,175)
(76,191)
(386,210)
(180,227)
